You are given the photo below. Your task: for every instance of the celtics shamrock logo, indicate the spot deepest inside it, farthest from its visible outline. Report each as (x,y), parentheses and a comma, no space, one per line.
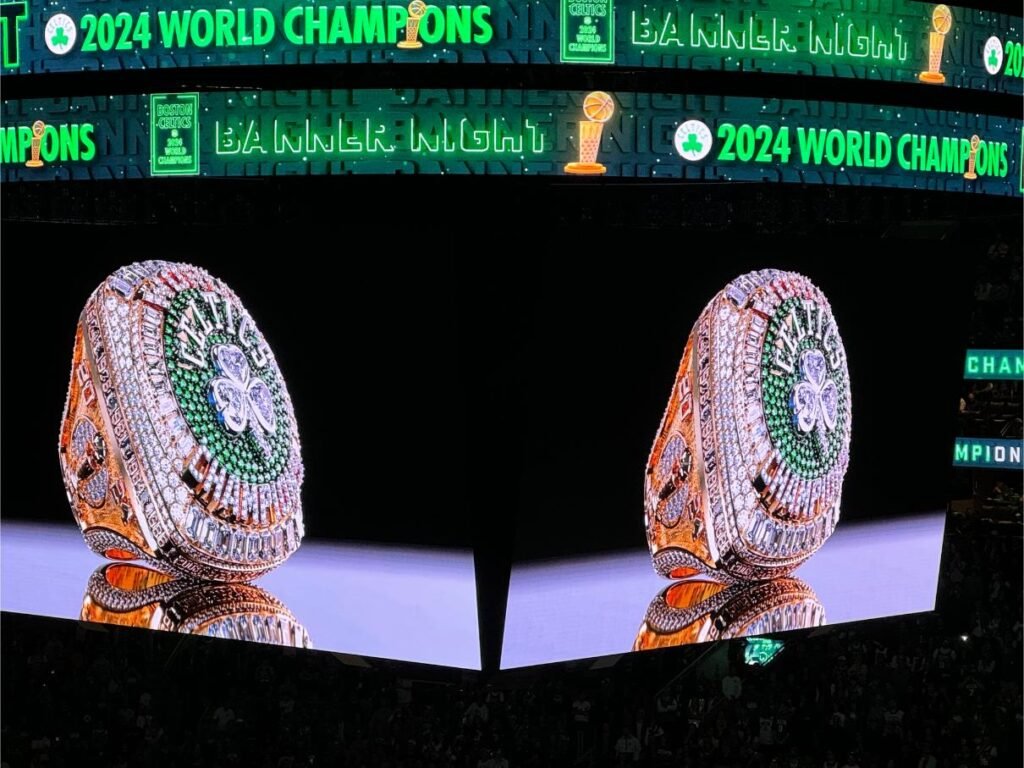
(815,399)
(243,401)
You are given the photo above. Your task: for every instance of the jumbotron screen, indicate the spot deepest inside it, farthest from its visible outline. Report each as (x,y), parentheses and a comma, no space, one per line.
(231,464)
(729,437)
(929,44)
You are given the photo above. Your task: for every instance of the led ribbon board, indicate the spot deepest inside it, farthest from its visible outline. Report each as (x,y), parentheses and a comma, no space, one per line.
(987,453)
(895,40)
(994,364)
(507,133)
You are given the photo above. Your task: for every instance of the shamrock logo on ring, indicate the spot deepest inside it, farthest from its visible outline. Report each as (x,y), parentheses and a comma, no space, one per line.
(815,398)
(243,400)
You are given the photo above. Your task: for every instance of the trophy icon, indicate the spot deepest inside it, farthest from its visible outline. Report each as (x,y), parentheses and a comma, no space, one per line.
(417,8)
(598,108)
(38,129)
(972,159)
(942,22)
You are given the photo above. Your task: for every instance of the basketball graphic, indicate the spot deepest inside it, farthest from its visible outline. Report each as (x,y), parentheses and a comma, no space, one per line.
(598,107)
(942,19)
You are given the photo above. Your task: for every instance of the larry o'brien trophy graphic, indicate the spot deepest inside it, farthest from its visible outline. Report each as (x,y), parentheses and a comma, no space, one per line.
(942,22)
(598,108)
(417,9)
(38,129)
(972,159)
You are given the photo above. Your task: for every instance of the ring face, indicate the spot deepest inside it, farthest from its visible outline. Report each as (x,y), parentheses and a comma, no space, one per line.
(805,387)
(179,441)
(754,445)
(227,385)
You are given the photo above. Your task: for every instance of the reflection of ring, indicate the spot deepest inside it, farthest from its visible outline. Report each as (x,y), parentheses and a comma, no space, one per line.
(702,611)
(745,475)
(133,596)
(179,442)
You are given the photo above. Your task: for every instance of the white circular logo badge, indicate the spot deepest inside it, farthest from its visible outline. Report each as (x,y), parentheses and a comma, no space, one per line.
(693,140)
(992,55)
(60,34)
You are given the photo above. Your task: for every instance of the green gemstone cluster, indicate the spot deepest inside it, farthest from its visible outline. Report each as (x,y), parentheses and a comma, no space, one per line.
(242,455)
(804,452)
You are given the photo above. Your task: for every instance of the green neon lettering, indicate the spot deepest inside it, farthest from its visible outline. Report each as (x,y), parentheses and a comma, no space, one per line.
(291,17)
(141,34)
(482,21)
(1003,167)
(225,27)
(835,147)
(9,145)
(961,452)
(11,16)
(458,24)
(201,28)
(263,26)
(965,154)
(316,25)
(341,31)
(68,142)
(858,38)
(981,159)
(932,161)
(854,148)
(369,24)
(174,27)
(397,16)
(949,155)
(972,364)
(85,135)
(812,144)
(432,25)
(49,147)
(24,141)
(883,150)
(901,151)
(917,152)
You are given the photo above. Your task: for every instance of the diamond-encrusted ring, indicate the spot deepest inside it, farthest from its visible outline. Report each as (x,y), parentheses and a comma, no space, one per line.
(746,473)
(179,444)
(131,595)
(695,611)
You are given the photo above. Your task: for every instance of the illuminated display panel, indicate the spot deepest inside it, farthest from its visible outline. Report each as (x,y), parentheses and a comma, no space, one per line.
(897,40)
(495,132)
(988,453)
(698,470)
(994,364)
(219,509)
